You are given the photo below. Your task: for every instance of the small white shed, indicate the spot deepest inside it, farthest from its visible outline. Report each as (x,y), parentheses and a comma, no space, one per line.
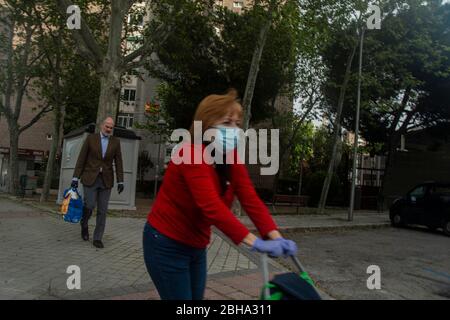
(129,143)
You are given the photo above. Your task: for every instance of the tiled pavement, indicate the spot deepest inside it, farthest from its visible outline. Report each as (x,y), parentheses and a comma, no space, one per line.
(36,248)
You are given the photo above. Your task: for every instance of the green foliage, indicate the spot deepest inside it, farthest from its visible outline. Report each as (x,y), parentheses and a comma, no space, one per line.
(409,56)
(314,183)
(209,51)
(21,58)
(301,149)
(81,95)
(321,146)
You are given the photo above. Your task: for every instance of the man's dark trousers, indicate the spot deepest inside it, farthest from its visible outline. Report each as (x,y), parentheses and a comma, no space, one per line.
(96,194)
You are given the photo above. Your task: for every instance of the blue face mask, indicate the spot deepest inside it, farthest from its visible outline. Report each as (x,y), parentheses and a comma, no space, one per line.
(227,138)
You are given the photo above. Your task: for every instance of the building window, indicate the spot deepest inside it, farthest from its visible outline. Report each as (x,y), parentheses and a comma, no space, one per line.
(125,120)
(49,137)
(136,19)
(238,4)
(129,95)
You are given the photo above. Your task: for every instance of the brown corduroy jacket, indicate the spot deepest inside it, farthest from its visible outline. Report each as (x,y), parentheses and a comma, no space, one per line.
(90,161)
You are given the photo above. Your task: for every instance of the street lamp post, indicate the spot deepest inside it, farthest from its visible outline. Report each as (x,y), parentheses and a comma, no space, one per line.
(355,144)
(161,125)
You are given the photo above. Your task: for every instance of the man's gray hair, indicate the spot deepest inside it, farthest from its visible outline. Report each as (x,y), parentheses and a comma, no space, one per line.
(109,117)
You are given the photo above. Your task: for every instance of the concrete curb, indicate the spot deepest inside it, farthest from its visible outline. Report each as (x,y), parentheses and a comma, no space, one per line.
(285,230)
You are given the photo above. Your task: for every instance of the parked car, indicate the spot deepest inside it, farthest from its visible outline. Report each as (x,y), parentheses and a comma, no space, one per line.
(426,204)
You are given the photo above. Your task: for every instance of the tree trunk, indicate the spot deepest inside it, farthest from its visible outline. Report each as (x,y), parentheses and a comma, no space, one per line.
(109,95)
(13,173)
(254,69)
(112,65)
(58,124)
(337,134)
(393,139)
(58,121)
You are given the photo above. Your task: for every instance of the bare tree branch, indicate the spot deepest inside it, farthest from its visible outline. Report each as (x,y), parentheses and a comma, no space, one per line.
(87,44)
(398,113)
(140,63)
(407,120)
(26,83)
(34,60)
(144,51)
(35,119)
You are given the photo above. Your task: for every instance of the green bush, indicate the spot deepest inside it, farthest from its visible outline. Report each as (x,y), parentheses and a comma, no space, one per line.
(313,187)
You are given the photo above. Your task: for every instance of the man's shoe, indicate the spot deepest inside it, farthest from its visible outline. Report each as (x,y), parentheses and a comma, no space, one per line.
(85,234)
(98,244)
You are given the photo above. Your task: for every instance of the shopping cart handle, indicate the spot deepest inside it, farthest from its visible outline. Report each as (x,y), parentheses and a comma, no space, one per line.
(265,269)
(297,263)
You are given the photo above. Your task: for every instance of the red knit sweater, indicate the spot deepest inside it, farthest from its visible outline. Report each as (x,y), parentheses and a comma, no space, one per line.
(189,203)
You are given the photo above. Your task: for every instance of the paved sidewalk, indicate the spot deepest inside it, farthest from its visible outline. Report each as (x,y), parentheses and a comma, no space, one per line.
(37,246)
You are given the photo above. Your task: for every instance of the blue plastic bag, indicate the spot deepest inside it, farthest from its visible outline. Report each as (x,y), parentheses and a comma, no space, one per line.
(75,209)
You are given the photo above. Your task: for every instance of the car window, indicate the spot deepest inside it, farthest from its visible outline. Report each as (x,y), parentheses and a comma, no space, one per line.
(418,192)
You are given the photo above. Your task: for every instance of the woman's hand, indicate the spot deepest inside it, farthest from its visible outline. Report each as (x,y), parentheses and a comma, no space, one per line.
(289,246)
(273,248)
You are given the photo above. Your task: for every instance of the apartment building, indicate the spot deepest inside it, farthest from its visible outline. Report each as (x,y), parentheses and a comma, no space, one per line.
(234,5)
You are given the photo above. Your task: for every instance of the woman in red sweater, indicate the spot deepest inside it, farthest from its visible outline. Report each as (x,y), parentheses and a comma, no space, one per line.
(194,197)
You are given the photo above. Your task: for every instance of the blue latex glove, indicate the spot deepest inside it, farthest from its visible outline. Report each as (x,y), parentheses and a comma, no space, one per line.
(289,246)
(273,248)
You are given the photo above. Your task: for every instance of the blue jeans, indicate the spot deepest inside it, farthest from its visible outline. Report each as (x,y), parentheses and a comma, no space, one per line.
(177,270)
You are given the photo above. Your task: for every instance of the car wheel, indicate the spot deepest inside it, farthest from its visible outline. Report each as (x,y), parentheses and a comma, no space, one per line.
(397,220)
(446,227)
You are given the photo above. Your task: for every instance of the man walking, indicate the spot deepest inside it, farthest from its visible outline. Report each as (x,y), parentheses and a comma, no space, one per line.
(95,168)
